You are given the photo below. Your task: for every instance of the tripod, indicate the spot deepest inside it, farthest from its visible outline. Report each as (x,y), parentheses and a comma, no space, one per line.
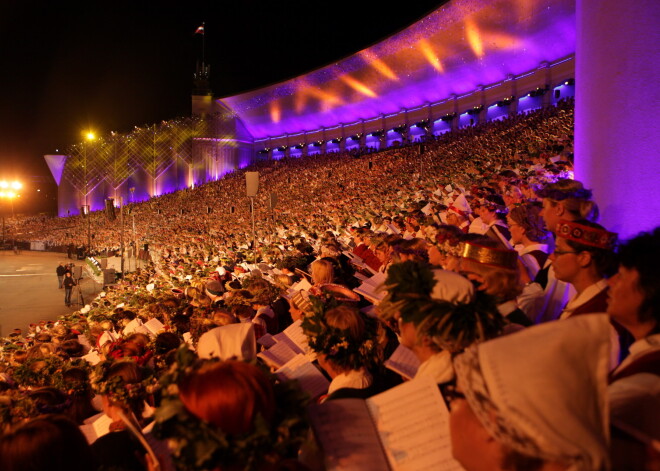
(77,295)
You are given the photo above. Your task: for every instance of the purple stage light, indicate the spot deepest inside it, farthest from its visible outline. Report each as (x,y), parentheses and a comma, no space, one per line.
(454,50)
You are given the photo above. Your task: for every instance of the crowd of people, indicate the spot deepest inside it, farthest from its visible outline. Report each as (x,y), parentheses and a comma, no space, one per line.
(474,263)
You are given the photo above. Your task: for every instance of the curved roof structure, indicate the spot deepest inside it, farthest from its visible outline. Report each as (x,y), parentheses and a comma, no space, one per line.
(460,46)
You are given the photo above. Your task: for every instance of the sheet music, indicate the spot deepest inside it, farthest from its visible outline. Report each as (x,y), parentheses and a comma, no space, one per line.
(297,335)
(133,326)
(153,326)
(282,337)
(310,378)
(404,362)
(278,355)
(266,340)
(369,288)
(335,424)
(96,426)
(413,424)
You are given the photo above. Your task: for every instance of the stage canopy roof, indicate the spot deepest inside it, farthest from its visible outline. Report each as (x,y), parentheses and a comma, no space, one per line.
(460,46)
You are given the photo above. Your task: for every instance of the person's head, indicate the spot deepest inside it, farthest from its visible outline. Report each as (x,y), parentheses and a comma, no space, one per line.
(438,309)
(556,416)
(47,442)
(229,395)
(525,222)
(343,338)
(322,272)
(382,251)
(411,249)
(493,267)
(582,249)
(566,200)
(635,289)
(120,385)
(50,400)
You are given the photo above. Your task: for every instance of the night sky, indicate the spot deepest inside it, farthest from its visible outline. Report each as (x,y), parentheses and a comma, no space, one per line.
(108,66)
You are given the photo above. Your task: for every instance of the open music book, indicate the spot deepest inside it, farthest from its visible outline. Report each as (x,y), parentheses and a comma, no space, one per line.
(369,288)
(404,362)
(403,429)
(283,347)
(311,379)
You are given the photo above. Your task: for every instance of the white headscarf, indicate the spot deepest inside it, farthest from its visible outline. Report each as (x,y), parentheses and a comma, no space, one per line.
(228,341)
(542,391)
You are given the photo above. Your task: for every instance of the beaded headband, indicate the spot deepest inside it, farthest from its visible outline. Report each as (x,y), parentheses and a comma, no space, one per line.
(586,235)
(492,256)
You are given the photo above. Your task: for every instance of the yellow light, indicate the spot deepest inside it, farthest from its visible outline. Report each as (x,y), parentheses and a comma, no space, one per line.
(474,38)
(89,135)
(379,65)
(16,185)
(275,112)
(359,86)
(427,51)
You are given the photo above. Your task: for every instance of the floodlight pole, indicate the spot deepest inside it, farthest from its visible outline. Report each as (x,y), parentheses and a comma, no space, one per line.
(121,233)
(254,238)
(135,246)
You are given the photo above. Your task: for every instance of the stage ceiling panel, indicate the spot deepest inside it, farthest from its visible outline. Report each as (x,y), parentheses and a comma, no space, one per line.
(454,50)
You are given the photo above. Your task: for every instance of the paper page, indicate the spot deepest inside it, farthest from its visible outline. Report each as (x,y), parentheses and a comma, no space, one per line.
(154,326)
(187,337)
(404,362)
(347,436)
(132,326)
(370,311)
(96,426)
(93,357)
(310,378)
(282,337)
(377,280)
(413,424)
(394,229)
(302,285)
(266,340)
(297,335)
(277,355)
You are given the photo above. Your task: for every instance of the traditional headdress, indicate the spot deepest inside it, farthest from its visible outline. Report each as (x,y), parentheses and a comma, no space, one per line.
(586,235)
(491,256)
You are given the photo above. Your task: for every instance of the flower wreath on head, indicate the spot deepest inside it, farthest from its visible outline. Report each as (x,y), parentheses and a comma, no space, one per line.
(116,388)
(38,371)
(337,344)
(15,407)
(73,388)
(197,445)
(451,326)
